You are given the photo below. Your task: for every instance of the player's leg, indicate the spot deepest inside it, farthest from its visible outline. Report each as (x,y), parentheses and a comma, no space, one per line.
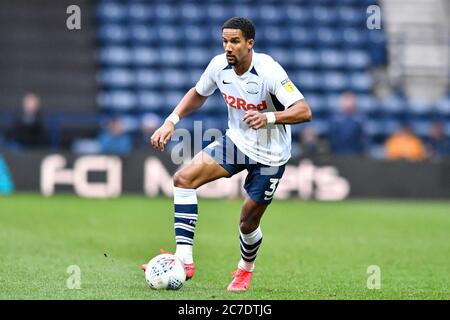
(202,169)
(260,186)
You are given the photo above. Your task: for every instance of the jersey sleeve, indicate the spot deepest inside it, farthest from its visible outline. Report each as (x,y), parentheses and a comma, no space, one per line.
(206,85)
(282,87)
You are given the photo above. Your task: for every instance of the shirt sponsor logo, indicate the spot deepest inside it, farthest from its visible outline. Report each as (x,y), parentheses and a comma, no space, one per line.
(288,85)
(239,103)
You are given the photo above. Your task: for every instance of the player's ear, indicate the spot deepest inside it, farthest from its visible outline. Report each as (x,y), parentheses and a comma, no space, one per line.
(250,44)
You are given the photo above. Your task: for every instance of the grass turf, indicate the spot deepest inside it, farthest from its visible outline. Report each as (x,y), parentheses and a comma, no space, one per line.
(311,250)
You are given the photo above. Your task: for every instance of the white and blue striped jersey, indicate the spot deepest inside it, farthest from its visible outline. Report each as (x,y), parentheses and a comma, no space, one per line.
(264,87)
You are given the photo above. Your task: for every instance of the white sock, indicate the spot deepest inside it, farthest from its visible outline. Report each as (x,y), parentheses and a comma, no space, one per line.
(186,213)
(251,243)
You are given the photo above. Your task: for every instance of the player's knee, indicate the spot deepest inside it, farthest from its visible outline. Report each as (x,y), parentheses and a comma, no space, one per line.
(181,180)
(248,226)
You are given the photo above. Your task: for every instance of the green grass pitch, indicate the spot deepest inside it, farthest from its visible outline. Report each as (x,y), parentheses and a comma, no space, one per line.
(311,250)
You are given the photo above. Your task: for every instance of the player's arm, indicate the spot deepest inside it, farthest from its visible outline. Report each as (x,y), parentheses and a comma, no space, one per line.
(298,112)
(191,101)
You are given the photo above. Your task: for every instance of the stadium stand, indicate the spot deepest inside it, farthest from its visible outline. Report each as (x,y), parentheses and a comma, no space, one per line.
(149,53)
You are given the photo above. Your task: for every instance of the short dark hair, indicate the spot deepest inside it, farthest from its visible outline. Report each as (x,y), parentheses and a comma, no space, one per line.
(245,25)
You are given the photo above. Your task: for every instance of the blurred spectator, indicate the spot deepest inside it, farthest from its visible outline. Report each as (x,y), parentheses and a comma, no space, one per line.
(309,142)
(404,144)
(439,144)
(346,135)
(114,139)
(28,128)
(149,123)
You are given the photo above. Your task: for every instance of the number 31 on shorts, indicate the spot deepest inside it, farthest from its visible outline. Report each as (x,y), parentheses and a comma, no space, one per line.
(273,187)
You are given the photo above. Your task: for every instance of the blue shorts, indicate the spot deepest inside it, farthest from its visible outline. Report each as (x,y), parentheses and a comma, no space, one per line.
(261,181)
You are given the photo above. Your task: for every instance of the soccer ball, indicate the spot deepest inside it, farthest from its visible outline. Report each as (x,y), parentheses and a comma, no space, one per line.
(165,271)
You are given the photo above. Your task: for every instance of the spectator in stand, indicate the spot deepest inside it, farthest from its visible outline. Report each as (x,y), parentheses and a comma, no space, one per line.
(114,139)
(28,128)
(309,142)
(149,123)
(404,144)
(439,144)
(346,135)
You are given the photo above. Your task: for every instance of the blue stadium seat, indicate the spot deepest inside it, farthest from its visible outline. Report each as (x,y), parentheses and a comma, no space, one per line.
(116,77)
(357,59)
(166,13)
(197,57)
(315,101)
(353,38)
(174,79)
(195,35)
(331,59)
(147,78)
(115,55)
(352,16)
(335,81)
(420,108)
(194,75)
(273,35)
(191,13)
(324,16)
(142,34)
(172,98)
(171,56)
(217,13)
(301,37)
(145,56)
(150,100)
(442,107)
(270,14)
(169,34)
(360,82)
(332,102)
(308,80)
(298,15)
(117,100)
(393,105)
(306,58)
(282,56)
(140,12)
(110,11)
(327,37)
(421,127)
(113,33)
(215,103)
(367,104)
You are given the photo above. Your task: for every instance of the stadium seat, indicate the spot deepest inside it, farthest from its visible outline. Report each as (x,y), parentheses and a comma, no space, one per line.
(140,12)
(306,58)
(357,59)
(150,100)
(361,82)
(116,77)
(166,13)
(331,59)
(171,56)
(111,12)
(324,16)
(335,81)
(115,55)
(174,79)
(117,100)
(147,78)
(113,33)
(145,56)
(140,34)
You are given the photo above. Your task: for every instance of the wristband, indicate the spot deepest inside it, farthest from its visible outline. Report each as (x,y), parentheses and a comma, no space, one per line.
(174,118)
(270,117)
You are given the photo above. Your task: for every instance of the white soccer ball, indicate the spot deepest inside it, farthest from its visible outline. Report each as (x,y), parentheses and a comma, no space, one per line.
(166,272)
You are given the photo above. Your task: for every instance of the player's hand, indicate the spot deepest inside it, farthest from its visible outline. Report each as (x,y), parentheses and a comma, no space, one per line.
(161,136)
(255,119)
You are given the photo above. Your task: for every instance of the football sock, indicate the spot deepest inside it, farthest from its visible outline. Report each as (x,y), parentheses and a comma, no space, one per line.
(186,212)
(249,248)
